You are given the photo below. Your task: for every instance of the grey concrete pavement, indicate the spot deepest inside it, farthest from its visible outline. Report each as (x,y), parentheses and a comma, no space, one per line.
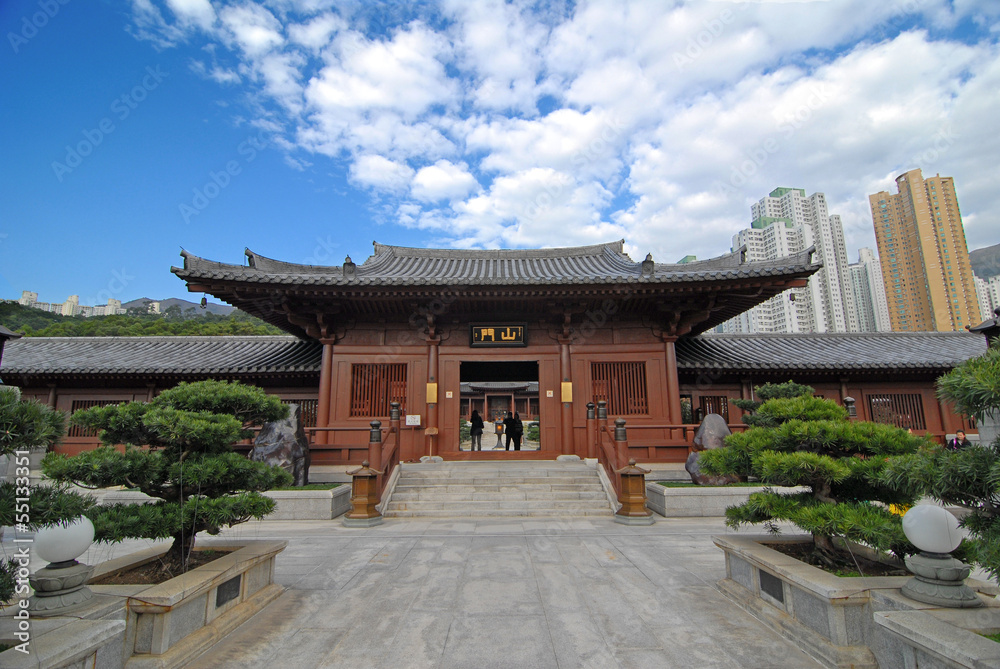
(500,593)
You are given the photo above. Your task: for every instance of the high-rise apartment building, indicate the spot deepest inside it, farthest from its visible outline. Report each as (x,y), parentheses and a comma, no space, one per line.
(925,261)
(988,293)
(869,293)
(786,222)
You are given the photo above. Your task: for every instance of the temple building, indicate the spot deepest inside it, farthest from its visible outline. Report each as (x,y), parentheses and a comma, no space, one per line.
(541,332)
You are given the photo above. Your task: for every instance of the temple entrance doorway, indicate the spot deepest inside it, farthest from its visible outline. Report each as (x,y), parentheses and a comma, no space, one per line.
(497,390)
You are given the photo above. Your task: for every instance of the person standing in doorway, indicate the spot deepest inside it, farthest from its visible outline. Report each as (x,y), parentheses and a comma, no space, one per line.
(514,428)
(476,431)
(498,425)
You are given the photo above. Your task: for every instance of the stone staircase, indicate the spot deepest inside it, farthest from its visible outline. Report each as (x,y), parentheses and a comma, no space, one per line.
(498,489)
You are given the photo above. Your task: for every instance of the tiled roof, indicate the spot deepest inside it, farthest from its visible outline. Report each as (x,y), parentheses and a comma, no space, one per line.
(168,356)
(402,266)
(246,355)
(889,351)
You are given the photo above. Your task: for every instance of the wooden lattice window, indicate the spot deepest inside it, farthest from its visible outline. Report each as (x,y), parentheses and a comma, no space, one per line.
(714,404)
(622,385)
(79,430)
(374,386)
(905,410)
(308,410)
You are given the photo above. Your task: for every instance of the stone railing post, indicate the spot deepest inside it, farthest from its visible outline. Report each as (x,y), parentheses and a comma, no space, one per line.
(375,445)
(364,497)
(591,430)
(852,409)
(394,418)
(632,496)
(621,443)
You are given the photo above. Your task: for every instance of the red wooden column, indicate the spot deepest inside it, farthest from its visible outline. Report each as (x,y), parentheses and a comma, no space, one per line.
(431,431)
(323,409)
(566,397)
(674,416)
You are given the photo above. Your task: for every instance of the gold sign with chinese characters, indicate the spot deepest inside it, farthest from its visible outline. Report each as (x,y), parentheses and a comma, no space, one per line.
(498,335)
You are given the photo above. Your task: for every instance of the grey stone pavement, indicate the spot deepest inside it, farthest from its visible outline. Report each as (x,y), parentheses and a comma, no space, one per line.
(500,593)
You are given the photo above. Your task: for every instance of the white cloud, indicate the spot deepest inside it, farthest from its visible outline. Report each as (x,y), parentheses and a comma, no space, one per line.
(199,12)
(565,124)
(442,181)
(381,174)
(317,33)
(253,28)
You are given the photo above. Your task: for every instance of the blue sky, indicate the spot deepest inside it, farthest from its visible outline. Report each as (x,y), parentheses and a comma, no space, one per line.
(306,129)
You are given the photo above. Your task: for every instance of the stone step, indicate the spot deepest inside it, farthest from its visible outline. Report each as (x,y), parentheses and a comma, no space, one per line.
(527,505)
(498,513)
(499,480)
(479,494)
(487,490)
(497,486)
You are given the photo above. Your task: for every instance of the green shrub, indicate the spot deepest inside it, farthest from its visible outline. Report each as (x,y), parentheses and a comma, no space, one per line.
(27,425)
(809,441)
(970,477)
(177,450)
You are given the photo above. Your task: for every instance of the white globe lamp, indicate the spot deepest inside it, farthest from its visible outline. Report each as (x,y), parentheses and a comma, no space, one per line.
(61,586)
(938,578)
(64,543)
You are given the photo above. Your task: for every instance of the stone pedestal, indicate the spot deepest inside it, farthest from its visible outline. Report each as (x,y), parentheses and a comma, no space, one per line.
(60,588)
(939,579)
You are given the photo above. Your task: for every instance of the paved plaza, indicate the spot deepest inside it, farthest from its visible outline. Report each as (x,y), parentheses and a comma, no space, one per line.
(500,593)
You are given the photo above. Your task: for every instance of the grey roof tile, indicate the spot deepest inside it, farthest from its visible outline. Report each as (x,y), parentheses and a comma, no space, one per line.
(829,352)
(277,355)
(175,356)
(397,265)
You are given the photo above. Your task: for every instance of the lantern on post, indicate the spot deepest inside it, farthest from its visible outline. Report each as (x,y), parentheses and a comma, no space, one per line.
(364,497)
(633,496)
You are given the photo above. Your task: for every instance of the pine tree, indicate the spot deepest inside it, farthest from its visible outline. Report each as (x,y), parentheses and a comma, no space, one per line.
(25,426)
(178,450)
(809,441)
(970,477)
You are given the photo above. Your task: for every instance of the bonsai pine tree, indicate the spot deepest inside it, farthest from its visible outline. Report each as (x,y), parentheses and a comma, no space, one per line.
(970,477)
(769,391)
(178,449)
(809,441)
(25,426)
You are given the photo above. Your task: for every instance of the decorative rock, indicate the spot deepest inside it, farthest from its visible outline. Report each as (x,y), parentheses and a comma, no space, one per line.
(712,431)
(704,479)
(283,443)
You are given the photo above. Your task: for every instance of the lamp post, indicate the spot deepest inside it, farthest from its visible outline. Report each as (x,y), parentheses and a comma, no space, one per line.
(61,585)
(938,578)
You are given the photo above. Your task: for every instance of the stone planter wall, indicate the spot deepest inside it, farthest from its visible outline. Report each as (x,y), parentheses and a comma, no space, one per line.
(169,624)
(700,500)
(290,504)
(861,622)
(310,504)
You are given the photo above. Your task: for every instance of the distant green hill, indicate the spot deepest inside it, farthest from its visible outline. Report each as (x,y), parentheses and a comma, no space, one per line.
(174,322)
(985,262)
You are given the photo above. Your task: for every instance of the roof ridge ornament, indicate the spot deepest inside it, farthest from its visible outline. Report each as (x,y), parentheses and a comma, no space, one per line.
(648,265)
(350,269)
